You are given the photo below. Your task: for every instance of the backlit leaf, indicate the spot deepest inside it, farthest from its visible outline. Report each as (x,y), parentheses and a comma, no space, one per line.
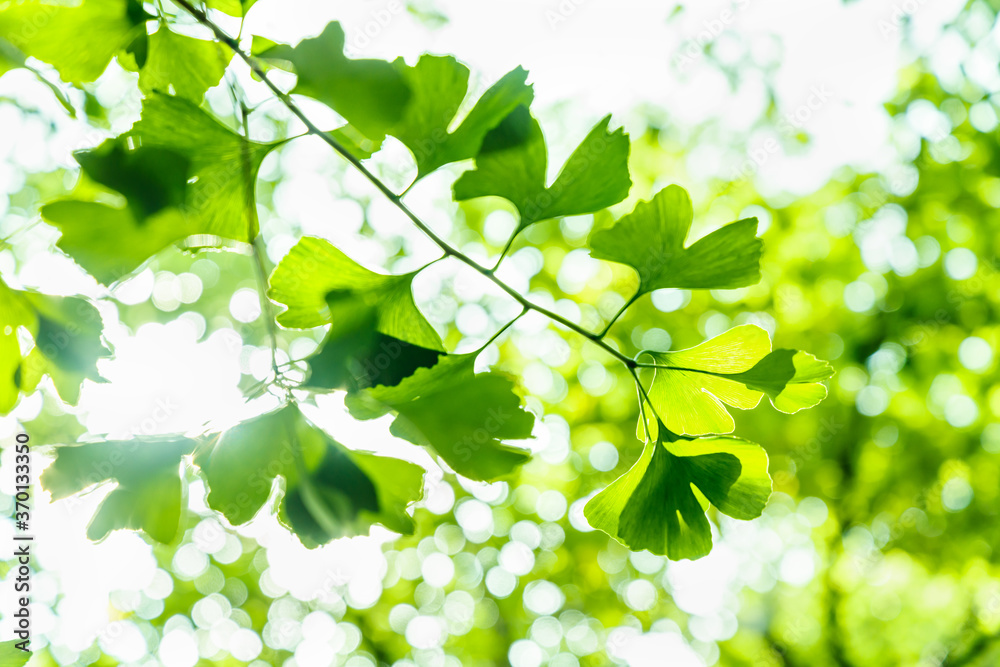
(735,368)
(321,285)
(512,164)
(655,506)
(51,32)
(650,239)
(190,66)
(148,495)
(462,416)
(330,491)
(370,94)
(438,86)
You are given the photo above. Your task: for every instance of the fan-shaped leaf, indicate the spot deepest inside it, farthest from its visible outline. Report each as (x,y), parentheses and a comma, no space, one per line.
(461,415)
(650,239)
(735,368)
(657,505)
(512,164)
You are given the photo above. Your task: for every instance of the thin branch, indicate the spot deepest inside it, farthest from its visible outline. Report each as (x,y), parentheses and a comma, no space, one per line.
(604,332)
(447,249)
(502,329)
(253,233)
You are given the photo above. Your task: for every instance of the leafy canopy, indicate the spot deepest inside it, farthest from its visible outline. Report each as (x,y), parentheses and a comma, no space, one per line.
(183,175)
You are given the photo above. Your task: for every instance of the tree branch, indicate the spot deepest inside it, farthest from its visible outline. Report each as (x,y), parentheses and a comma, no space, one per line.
(445,247)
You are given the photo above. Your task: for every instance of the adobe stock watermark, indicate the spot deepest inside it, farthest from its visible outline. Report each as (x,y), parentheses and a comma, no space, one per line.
(363,36)
(562,12)
(693,49)
(891,26)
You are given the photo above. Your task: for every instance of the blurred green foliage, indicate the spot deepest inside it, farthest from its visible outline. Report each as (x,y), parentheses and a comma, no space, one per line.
(878,546)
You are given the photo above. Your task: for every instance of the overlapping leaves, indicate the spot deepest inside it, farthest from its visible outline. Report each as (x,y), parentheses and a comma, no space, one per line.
(181,173)
(329,490)
(660,503)
(417,104)
(736,368)
(463,416)
(65,334)
(512,164)
(149,491)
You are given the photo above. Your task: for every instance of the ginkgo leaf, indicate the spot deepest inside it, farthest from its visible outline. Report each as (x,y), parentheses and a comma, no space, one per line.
(181,174)
(109,242)
(438,86)
(150,178)
(190,66)
(330,490)
(461,415)
(650,239)
(512,164)
(149,492)
(370,94)
(657,505)
(66,337)
(321,285)
(51,32)
(734,368)
(67,344)
(224,165)
(361,356)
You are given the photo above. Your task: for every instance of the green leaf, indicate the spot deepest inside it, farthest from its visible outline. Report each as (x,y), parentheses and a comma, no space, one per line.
(191,66)
(148,496)
(108,242)
(224,165)
(370,94)
(654,505)
(11,656)
(67,344)
(180,172)
(650,239)
(52,33)
(321,285)
(151,179)
(735,368)
(66,332)
(512,164)
(361,356)
(329,492)
(460,415)
(438,86)
(15,312)
(231,7)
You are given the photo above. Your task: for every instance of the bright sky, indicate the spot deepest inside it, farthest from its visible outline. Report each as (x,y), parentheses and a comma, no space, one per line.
(833,64)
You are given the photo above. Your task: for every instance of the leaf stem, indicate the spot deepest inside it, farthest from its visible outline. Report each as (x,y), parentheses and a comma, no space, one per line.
(502,329)
(611,322)
(253,233)
(395,199)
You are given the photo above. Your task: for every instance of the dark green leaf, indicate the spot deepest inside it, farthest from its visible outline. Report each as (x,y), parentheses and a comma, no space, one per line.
(654,505)
(438,86)
(370,94)
(650,239)
(148,495)
(512,164)
(461,415)
(330,490)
